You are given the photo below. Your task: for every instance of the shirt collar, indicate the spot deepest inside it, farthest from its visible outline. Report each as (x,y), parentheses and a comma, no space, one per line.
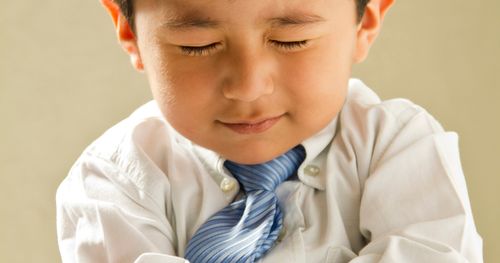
(311,172)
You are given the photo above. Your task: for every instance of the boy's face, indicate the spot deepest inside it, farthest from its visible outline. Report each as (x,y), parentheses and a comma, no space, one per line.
(248,79)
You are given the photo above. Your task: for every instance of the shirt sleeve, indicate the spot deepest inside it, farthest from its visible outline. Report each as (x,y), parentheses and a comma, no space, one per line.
(104,217)
(415,206)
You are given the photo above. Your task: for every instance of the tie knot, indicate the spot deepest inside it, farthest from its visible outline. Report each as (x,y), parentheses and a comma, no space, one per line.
(267,176)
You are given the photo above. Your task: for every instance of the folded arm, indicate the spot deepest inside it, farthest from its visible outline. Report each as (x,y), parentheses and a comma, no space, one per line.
(415,206)
(104,217)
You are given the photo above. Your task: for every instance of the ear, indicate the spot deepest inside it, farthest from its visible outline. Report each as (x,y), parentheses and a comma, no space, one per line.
(125,34)
(369,27)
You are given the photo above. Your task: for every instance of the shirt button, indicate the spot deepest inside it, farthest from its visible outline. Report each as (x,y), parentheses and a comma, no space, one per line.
(227,185)
(311,170)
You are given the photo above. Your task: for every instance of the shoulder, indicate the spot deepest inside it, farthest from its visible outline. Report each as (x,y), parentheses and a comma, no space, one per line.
(365,112)
(134,131)
(127,162)
(370,126)
(135,144)
(118,187)
(363,103)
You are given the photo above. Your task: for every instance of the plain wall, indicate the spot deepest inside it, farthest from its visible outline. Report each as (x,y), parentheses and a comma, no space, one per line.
(64,81)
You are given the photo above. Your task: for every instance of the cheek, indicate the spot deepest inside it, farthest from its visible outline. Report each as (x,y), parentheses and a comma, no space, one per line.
(317,72)
(194,89)
(185,91)
(317,81)
(178,80)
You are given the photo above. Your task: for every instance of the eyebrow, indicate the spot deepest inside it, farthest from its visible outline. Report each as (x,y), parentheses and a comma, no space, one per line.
(296,19)
(196,20)
(190,21)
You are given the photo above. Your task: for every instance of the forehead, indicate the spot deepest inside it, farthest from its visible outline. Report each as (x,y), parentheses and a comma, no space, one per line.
(178,13)
(212,5)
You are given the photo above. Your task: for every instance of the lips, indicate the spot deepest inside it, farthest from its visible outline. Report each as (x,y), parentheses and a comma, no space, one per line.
(251,127)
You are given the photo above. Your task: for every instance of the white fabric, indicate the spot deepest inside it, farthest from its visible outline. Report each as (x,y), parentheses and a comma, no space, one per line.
(382,183)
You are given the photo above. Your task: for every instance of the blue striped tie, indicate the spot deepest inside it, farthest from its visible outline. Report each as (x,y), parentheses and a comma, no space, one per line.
(246,229)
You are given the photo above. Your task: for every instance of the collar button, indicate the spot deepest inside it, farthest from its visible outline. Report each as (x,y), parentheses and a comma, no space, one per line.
(311,170)
(227,184)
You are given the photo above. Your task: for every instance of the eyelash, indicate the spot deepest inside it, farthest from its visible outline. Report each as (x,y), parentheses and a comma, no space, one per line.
(288,46)
(199,51)
(205,50)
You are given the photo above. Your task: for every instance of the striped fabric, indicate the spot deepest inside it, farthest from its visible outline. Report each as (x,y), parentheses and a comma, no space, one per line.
(246,229)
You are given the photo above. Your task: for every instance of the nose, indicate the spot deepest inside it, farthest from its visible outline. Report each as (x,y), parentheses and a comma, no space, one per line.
(248,79)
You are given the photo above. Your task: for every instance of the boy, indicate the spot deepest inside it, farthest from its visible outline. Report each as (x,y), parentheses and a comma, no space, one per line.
(259,147)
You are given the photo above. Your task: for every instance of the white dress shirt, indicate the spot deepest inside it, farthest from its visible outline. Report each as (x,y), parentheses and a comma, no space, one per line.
(382,183)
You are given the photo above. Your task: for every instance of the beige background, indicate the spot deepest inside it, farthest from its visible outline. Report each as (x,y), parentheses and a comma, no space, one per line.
(63,81)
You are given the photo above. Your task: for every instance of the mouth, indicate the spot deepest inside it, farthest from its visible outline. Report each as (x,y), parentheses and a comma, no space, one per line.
(252,127)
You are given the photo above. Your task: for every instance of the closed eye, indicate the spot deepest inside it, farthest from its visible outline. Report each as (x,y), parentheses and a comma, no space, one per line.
(207,49)
(200,50)
(289,45)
